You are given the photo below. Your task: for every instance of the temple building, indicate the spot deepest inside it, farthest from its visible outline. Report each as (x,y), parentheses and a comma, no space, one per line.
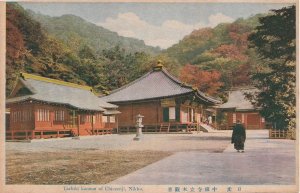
(166,103)
(41,107)
(239,108)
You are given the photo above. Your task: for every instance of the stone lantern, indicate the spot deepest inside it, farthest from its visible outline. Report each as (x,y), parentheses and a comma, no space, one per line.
(139,126)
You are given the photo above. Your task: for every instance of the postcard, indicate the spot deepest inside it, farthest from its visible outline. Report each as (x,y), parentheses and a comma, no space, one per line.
(149,96)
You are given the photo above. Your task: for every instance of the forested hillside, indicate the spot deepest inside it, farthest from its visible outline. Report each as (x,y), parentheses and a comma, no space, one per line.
(33,49)
(76,32)
(218,57)
(71,49)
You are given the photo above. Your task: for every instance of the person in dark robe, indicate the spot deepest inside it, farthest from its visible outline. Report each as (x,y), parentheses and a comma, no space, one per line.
(238,136)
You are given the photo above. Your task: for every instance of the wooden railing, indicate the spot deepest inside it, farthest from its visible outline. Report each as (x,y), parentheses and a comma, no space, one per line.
(278,133)
(36,134)
(102,131)
(45,134)
(174,127)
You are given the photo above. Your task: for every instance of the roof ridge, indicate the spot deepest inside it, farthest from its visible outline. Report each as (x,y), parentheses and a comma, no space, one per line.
(129,84)
(213,99)
(55,81)
(175,79)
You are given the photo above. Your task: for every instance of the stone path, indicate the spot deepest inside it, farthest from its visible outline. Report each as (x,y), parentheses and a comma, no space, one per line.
(265,162)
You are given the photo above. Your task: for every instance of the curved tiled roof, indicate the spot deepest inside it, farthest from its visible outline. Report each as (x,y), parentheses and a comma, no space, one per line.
(53,91)
(153,85)
(238,101)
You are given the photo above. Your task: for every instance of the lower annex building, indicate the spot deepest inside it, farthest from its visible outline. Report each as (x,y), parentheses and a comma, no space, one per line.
(239,108)
(41,107)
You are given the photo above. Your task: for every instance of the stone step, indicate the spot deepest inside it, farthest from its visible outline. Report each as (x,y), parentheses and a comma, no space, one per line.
(206,128)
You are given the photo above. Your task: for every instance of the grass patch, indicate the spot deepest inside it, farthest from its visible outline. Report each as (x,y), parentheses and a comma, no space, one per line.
(77,166)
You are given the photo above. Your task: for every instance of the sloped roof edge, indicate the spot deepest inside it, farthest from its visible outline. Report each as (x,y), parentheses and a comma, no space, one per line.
(237,99)
(203,96)
(147,74)
(149,99)
(35,83)
(26,98)
(172,78)
(54,81)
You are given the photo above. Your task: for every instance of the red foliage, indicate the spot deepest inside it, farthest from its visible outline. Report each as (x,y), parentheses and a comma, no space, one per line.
(240,40)
(15,46)
(203,33)
(241,75)
(206,81)
(230,51)
(239,34)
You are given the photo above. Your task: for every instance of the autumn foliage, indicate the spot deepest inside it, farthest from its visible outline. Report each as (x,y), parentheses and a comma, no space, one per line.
(230,51)
(205,81)
(31,48)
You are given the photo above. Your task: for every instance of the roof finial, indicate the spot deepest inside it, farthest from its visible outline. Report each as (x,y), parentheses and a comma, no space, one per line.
(22,75)
(158,66)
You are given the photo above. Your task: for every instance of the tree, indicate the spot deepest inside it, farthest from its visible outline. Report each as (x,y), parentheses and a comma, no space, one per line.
(121,67)
(30,49)
(15,48)
(171,64)
(206,81)
(230,51)
(275,42)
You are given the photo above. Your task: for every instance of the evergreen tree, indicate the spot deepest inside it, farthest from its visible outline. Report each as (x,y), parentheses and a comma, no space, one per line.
(274,41)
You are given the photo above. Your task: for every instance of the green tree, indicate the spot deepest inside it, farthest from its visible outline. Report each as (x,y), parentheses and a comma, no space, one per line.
(274,40)
(171,64)
(121,67)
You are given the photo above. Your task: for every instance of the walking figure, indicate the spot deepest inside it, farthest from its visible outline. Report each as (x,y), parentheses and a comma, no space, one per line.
(238,136)
(209,120)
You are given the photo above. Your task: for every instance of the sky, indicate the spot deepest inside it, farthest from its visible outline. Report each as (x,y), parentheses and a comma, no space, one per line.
(158,24)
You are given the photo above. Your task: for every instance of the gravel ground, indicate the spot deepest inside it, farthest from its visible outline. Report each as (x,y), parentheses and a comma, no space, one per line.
(206,142)
(99,159)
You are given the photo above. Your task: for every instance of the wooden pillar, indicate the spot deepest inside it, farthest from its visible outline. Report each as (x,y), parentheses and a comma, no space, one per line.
(157,113)
(132,116)
(12,122)
(259,121)
(117,123)
(51,116)
(32,134)
(246,120)
(92,122)
(215,122)
(188,114)
(78,124)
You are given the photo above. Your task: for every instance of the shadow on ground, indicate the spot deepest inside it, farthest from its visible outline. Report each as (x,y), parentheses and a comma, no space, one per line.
(213,138)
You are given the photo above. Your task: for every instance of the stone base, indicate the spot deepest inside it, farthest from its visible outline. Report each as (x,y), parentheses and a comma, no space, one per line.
(137,138)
